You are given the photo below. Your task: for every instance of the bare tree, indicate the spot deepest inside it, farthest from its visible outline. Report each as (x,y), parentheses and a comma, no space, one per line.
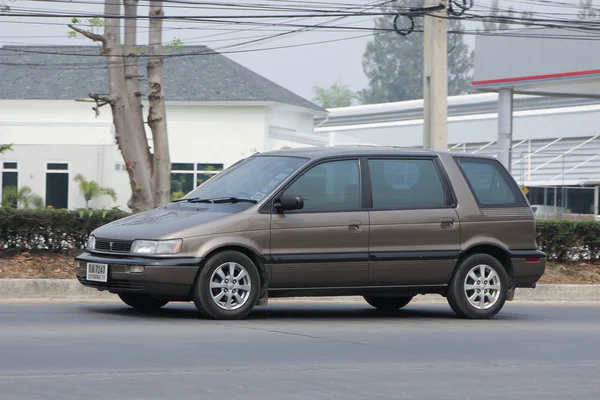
(157,116)
(149,173)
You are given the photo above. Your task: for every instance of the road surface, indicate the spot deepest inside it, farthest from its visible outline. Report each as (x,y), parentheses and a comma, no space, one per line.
(298,351)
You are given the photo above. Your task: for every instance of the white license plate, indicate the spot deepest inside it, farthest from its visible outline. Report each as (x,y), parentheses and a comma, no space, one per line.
(97,272)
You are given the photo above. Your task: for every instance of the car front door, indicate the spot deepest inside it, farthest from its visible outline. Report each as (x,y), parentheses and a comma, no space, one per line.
(415,230)
(324,244)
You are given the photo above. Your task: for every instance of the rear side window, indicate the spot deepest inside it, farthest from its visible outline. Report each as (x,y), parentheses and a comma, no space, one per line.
(490,183)
(405,184)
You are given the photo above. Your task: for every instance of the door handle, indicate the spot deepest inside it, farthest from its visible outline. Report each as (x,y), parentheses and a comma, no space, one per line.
(354,226)
(447,222)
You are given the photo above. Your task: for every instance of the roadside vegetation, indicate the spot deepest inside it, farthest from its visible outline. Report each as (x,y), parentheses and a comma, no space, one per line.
(41,243)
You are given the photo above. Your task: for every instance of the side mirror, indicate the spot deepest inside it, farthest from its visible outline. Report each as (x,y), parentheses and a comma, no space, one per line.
(289,202)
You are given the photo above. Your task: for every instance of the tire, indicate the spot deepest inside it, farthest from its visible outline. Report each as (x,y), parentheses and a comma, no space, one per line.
(388,304)
(226,299)
(464,285)
(142,301)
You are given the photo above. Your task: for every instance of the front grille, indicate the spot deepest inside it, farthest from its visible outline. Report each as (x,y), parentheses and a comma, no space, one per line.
(113,245)
(114,285)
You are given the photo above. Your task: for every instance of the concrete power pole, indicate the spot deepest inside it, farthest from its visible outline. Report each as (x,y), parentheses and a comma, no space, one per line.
(435,77)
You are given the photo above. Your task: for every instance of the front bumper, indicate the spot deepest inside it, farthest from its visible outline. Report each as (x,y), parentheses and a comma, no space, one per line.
(168,278)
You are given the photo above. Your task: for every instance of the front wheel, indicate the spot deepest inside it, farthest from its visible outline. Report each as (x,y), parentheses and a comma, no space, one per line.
(227,287)
(141,301)
(388,303)
(479,287)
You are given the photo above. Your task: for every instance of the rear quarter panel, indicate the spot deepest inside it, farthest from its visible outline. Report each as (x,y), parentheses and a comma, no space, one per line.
(507,228)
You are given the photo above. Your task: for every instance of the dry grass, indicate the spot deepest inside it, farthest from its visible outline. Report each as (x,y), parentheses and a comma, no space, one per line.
(60,266)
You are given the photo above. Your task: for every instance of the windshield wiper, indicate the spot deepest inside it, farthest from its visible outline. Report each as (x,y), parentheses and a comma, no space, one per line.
(217,200)
(233,200)
(193,200)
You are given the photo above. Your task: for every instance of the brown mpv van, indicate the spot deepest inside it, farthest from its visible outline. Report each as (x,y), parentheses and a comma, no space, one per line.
(383,223)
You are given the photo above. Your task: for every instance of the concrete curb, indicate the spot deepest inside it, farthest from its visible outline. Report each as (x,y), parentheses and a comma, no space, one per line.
(20,290)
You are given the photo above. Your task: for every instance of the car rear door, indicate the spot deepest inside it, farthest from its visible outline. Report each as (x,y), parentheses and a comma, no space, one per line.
(415,230)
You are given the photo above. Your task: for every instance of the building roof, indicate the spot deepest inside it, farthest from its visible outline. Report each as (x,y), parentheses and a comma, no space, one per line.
(463,105)
(193,73)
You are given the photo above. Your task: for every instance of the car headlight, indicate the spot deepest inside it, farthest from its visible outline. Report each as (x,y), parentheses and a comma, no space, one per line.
(156,246)
(91,242)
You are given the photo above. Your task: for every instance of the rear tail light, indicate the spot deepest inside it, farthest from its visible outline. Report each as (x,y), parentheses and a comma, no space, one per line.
(532,260)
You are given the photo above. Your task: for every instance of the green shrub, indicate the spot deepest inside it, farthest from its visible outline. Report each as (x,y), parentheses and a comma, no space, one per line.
(61,230)
(565,241)
(50,230)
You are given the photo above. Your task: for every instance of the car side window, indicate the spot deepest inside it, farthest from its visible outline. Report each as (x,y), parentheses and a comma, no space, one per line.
(491,184)
(330,186)
(404,184)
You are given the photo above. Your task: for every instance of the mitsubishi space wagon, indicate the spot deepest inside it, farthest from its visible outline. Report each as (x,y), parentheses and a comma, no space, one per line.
(387,224)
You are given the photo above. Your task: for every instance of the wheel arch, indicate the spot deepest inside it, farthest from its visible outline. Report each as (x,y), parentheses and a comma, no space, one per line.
(247,251)
(498,252)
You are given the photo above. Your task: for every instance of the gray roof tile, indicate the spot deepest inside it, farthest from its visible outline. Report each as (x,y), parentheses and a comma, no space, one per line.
(194,73)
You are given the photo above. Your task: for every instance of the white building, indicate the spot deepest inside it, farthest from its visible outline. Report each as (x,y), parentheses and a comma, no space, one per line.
(217,112)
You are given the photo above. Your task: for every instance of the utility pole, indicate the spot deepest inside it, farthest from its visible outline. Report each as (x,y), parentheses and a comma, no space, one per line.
(435,77)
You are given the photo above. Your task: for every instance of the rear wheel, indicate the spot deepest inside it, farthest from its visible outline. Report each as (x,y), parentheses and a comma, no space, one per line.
(479,287)
(142,301)
(228,286)
(388,303)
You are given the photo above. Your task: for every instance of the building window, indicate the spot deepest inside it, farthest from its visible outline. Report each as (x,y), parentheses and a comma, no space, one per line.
(185,177)
(57,185)
(10,180)
(206,171)
(57,166)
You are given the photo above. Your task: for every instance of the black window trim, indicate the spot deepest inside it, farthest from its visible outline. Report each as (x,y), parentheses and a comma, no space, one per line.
(58,167)
(269,208)
(510,181)
(449,194)
(10,168)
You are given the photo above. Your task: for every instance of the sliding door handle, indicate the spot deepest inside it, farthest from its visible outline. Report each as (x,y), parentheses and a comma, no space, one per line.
(447,222)
(354,226)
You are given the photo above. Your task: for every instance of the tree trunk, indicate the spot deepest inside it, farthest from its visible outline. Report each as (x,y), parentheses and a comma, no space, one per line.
(132,74)
(157,119)
(132,142)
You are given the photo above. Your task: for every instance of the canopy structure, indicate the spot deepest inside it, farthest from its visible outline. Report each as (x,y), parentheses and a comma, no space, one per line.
(544,62)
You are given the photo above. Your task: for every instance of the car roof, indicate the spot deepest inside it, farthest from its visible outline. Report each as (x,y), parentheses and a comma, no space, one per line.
(341,151)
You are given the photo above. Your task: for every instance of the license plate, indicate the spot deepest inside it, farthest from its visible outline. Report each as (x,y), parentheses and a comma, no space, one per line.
(97,272)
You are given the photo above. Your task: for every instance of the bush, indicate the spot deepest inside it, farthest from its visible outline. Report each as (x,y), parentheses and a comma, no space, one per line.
(566,241)
(50,230)
(62,230)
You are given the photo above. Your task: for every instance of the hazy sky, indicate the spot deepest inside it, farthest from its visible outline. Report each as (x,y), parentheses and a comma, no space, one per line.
(296,68)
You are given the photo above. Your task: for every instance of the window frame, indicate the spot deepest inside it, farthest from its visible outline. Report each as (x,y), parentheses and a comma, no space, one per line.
(269,206)
(58,171)
(5,169)
(520,198)
(449,194)
(195,172)
(61,170)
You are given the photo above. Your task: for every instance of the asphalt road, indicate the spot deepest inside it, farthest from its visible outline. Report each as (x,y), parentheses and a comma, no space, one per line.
(91,351)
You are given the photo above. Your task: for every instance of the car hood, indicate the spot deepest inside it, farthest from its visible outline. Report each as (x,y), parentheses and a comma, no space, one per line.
(176,220)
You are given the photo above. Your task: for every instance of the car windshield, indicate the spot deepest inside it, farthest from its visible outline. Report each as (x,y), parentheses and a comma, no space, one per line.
(252,178)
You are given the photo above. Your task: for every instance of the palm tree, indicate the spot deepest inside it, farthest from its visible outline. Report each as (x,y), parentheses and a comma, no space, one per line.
(13,197)
(91,189)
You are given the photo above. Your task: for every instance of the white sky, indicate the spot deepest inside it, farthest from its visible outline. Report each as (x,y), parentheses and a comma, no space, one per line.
(296,68)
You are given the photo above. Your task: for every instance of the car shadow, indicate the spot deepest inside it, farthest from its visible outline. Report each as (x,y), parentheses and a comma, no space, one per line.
(297,312)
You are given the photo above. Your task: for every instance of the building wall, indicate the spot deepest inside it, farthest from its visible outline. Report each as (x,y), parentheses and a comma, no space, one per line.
(89,160)
(45,131)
